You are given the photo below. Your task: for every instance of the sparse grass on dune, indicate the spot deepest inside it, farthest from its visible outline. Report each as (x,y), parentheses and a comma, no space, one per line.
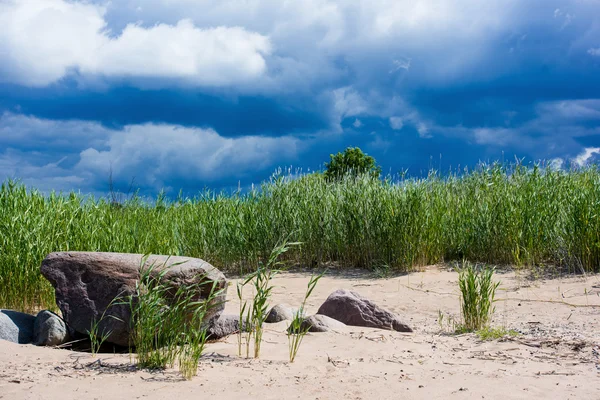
(495,214)
(495,333)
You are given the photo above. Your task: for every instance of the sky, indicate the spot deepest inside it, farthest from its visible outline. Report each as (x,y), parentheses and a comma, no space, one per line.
(192,94)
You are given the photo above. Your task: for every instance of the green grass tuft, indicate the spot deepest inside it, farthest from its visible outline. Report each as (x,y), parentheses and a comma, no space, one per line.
(167,327)
(255,313)
(489,333)
(296,331)
(477,296)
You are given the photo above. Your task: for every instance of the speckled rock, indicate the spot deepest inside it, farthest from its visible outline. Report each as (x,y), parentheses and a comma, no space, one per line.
(321,323)
(49,330)
(281,312)
(87,283)
(223,326)
(352,309)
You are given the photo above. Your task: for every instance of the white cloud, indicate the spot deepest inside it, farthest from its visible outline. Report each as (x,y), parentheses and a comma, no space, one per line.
(23,132)
(554,134)
(47,176)
(557,164)
(154,154)
(41,41)
(379,143)
(213,57)
(493,136)
(594,51)
(396,123)
(564,16)
(587,154)
(357,123)
(267,44)
(423,130)
(571,110)
(347,102)
(400,64)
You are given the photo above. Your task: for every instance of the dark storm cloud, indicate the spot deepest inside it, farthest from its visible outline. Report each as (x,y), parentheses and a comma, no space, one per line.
(119,106)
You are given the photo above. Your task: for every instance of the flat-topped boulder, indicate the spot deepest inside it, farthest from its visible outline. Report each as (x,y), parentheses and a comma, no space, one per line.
(87,283)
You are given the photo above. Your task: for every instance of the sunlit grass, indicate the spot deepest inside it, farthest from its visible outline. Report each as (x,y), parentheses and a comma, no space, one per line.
(477,293)
(494,214)
(168,325)
(490,333)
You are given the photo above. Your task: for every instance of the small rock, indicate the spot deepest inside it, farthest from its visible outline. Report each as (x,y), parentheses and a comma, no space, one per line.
(223,326)
(352,309)
(321,323)
(16,327)
(49,330)
(281,312)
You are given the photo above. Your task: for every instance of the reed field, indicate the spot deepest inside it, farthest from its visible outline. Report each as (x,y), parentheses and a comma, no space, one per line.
(499,214)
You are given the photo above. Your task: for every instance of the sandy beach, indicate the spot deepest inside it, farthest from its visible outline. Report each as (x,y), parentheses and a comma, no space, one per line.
(556,354)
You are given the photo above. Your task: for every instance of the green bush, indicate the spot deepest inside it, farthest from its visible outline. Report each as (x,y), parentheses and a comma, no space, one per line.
(351,162)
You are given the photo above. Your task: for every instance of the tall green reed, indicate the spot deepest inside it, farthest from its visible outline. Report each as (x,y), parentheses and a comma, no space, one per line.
(253,315)
(297,328)
(498,214)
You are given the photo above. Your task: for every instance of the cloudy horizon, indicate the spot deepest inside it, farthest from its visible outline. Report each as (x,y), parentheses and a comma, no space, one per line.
(183,94)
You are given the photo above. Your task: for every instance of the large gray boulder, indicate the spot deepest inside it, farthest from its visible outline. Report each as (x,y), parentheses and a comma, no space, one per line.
(87,284)
(16,327)
(49,329)
(281,312)
(352,309)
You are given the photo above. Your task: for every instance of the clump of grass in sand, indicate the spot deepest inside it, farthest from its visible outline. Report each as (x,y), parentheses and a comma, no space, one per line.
(446,323)
(296,331)
(168,327)
(255,314)
(477,296)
